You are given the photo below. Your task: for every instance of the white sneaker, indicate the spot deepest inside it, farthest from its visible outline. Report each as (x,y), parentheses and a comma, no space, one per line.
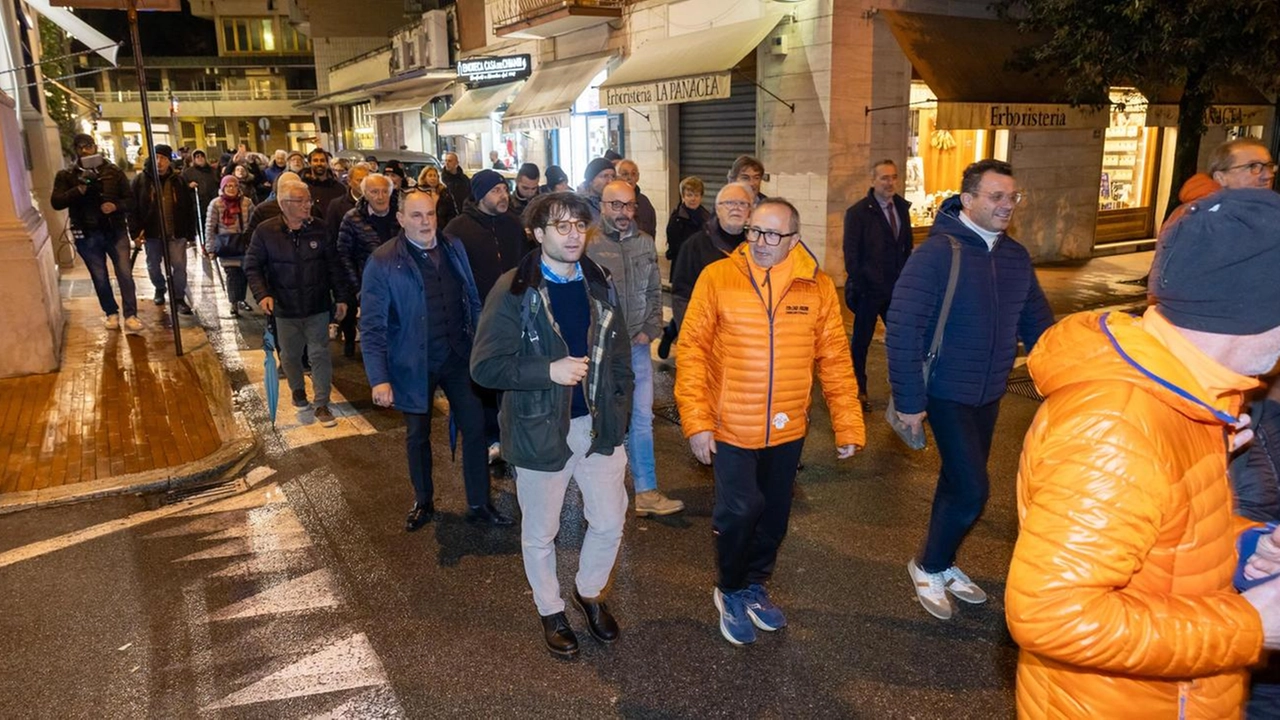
(132,324)
(333,331)
(112,322)
(959,584)
(931,591)
(495,452)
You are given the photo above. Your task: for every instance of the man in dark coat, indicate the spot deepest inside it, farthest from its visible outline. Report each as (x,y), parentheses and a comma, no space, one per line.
(365,227)
(340,206)
(877,243)
(567,388)
(726,231)
(201,177)
(456,180)
(325,188)
(495,241)
(96,195)
(998,301)
(526,188)
(295,275)
(420,310)
(176,203)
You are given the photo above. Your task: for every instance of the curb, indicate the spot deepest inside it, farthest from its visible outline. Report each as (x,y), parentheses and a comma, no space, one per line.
(193,473)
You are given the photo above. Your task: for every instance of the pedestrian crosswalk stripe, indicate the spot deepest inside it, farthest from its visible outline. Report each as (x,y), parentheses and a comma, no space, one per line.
(346,665)
(309,592)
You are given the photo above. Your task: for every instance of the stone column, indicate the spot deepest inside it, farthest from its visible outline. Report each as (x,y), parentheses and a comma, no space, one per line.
(31,335)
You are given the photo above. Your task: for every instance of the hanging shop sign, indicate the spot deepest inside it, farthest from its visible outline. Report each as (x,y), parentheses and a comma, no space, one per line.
(711,86)
(1018,116)
(536,122)
(1214,115)
(486,71)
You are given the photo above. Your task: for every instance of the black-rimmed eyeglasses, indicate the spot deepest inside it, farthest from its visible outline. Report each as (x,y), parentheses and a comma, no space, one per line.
(770,237)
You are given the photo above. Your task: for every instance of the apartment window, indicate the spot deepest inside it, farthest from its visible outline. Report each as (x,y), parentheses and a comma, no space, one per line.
(292,41)
(249,35)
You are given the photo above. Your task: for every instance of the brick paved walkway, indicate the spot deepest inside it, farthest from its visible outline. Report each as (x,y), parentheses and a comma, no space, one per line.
(121,403)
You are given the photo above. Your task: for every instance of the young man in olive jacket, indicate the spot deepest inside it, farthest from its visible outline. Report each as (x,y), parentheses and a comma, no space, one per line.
(553,338)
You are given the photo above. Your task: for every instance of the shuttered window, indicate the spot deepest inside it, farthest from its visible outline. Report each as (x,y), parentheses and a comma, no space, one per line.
(713,133)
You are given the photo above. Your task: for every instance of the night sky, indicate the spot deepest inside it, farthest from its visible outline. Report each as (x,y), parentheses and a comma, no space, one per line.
(162,33)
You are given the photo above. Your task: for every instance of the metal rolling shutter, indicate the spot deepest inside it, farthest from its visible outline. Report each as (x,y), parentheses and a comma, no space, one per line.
(713,133)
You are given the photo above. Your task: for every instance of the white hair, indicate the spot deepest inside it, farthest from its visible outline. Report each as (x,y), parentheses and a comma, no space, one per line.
(376,178)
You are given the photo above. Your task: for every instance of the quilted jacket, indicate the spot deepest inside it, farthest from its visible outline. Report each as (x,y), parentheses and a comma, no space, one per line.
(747,374)
(1119,592)
(998,301)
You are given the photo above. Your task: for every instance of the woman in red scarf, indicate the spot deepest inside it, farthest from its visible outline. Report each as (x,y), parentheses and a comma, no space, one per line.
(225,224)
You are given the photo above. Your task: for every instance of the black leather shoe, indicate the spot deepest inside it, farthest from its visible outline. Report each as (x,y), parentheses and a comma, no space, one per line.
(420,515)
(488,515)
(559,636)
(600,622)
(349,347)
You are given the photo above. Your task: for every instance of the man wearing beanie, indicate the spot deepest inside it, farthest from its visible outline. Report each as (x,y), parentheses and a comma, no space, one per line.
(599,173)
(557,181)
(495,242)
(1120,591)
(175,202)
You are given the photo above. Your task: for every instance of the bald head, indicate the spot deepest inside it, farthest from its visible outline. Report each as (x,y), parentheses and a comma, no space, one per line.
(618,207)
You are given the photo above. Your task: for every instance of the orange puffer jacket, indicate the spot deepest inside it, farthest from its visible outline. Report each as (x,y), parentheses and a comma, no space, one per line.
(747,375)
(1120,588)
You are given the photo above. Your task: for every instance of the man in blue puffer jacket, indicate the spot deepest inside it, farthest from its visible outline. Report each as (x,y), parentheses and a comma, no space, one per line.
(997,302)
(419,310)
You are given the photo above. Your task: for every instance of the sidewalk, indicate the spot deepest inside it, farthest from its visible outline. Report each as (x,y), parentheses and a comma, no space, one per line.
(123,413)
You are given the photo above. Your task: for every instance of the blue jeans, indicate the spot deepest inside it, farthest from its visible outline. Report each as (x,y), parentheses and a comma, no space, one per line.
(96,247)
(640,435)
(177,259)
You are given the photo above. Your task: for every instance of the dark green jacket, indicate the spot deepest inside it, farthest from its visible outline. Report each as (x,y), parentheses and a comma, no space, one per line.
(515,344)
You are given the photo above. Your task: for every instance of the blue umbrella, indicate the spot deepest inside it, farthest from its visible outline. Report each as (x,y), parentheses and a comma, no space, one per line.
(453,436)
(270,374)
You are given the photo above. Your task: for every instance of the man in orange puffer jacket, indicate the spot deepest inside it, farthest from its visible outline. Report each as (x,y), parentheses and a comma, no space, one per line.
(757,323)
(1120,591)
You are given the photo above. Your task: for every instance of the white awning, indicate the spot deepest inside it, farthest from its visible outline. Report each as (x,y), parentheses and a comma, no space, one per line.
(78,29)
(473,111)
(408,100)
(545,101)
(685,68)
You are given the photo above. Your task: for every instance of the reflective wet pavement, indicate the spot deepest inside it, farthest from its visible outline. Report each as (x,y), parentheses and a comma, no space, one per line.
(302,596)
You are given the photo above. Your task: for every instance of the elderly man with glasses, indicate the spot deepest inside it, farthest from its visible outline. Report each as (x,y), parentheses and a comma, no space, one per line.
(997,301)
(757,325)
(632,260)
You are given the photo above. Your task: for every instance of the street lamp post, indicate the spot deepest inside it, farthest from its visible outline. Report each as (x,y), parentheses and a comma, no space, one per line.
(131,7)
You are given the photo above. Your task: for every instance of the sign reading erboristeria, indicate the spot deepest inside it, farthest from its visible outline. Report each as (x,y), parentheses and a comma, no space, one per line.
(482,72)
(713,86)
(1018,116)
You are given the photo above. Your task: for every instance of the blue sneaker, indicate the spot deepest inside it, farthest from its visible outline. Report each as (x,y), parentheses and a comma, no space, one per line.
(735,626)
(762,611)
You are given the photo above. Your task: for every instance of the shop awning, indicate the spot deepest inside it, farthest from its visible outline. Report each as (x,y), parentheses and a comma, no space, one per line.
(548,95)
(409,100)
(685,68)
(78,29)
(977,90)
(472,111)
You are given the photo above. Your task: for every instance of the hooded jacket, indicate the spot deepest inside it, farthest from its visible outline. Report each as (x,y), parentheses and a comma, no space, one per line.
(747,355)
(998,301)
(1119,592)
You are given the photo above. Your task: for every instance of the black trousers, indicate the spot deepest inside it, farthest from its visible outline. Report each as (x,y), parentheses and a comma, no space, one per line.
(753,506)
(454,377)
(866,308)
(963,434)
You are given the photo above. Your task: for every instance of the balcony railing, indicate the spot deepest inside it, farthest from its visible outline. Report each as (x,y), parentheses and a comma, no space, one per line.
(511,12)
(132,96)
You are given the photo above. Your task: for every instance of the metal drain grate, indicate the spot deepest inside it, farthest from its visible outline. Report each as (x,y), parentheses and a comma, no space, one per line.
(1024,388)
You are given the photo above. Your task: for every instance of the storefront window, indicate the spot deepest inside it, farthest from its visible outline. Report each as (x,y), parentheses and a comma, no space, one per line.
(936,158)
(1128,154)
(362,129)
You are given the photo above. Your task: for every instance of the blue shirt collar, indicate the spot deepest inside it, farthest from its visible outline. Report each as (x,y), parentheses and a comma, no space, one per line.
(550,275)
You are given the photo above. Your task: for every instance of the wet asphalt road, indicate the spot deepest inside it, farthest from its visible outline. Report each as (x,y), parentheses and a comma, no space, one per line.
(304,597)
